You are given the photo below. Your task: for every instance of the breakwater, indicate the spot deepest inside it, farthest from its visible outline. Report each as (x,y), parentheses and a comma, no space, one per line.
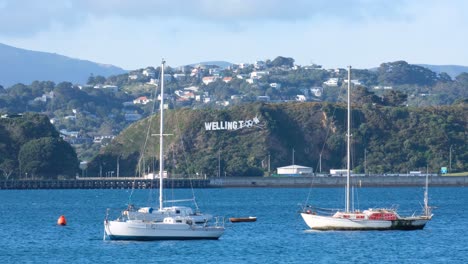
(99,183)
(235,182)
(360,181)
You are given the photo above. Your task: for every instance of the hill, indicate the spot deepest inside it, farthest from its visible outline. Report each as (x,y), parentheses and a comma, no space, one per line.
(391,139)
(452,70)
(31,147)
(25,66)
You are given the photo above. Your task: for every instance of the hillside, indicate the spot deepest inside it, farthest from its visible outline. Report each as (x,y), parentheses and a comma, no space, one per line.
(30,147)
(25,66)
(393,139)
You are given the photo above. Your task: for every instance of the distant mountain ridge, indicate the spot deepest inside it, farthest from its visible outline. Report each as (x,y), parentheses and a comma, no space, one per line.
(221,64)
(452,70)
(25,66)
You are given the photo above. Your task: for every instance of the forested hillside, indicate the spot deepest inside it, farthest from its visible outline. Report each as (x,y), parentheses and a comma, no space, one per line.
(31,148)
(391,139)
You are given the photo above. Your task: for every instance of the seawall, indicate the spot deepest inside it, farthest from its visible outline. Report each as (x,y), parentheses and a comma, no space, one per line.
(362,181)
(100,183)
(235,182)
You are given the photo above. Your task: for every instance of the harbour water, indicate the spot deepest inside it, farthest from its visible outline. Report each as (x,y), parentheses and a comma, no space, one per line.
(30,234)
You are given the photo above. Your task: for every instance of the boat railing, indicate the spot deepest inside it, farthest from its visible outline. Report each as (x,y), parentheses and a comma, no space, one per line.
(219,221)
(309,209)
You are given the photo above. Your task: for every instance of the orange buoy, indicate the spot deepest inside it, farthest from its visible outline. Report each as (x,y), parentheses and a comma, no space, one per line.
(62,221)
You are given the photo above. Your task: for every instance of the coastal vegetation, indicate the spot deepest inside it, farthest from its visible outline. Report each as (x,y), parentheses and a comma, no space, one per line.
(385,139)
(31,148)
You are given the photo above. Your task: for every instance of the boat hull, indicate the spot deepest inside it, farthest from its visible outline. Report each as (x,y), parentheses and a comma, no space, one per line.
(409,223)
(144,231)
(318,222)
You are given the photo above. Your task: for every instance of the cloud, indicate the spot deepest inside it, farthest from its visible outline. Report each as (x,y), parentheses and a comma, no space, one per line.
(24,18)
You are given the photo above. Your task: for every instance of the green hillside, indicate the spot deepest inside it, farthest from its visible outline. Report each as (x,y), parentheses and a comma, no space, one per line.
(391,139)
(31,148)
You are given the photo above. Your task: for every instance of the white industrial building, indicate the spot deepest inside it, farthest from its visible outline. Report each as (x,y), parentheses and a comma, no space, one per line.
(294,170)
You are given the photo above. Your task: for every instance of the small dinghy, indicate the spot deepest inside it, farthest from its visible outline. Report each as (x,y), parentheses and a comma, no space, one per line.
(243,219)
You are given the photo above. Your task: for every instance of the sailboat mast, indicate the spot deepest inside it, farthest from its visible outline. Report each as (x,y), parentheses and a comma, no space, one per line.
(348,137)
(426,195)
(161,139)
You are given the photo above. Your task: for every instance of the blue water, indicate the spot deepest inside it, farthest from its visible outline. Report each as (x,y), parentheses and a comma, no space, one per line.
(29,233)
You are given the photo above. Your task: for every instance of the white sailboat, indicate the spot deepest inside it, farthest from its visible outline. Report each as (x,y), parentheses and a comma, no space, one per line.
(371,219)
(165,223)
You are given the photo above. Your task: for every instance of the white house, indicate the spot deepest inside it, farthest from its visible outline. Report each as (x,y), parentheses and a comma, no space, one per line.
(258,74)
(209,79)
(294,170)
(149,72)
(179,76)
(331,82)
(142,100)
(355,82)
(301,98)
(133,76)
(275,85)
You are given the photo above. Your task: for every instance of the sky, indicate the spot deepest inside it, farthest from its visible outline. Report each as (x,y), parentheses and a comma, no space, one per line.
(133,34)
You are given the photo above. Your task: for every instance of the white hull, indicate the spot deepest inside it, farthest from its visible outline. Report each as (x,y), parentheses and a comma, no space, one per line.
(318,222)
(140,230)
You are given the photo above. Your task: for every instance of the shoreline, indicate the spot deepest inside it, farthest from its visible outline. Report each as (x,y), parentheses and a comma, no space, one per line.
(237,182)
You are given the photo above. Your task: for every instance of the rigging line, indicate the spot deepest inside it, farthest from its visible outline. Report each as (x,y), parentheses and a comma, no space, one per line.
(143,148)
(325,141)
(184,155)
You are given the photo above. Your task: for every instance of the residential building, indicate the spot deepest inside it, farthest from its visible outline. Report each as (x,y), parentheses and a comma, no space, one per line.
(331,82)
(142,100)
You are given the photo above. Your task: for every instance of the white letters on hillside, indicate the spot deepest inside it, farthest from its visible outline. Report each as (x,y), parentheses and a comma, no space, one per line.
(232,125)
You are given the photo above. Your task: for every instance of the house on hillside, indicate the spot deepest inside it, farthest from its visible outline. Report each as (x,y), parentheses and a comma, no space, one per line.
(142,100)
(331,82)
(275,85)
(209,79)
(148,72)
(301,98)
(258,74)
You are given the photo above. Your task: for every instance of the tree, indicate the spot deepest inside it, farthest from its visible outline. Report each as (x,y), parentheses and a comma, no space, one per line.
(394,98)
(48,157)
(462,78)
(361,96)
(282,61)
(400,72)
(444,77)
(8,166)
